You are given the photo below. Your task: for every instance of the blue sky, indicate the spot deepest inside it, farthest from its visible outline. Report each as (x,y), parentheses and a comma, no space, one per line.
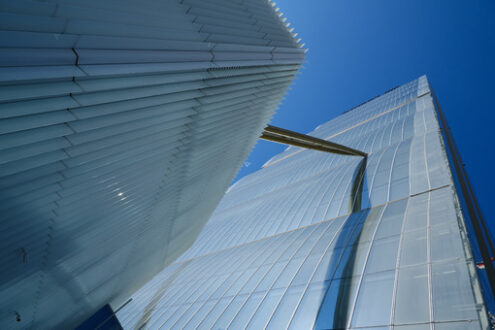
(360,49)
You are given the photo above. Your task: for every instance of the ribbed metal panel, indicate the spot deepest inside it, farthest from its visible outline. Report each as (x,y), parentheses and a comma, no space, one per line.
(121,125)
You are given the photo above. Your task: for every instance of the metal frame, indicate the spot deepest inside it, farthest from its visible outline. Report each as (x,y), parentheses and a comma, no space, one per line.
(285,136)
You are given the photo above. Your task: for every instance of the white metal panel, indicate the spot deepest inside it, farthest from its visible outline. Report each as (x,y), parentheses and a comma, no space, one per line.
(122,123)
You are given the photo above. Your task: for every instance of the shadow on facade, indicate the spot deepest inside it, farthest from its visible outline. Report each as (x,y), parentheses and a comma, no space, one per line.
(335,309)
(37,271)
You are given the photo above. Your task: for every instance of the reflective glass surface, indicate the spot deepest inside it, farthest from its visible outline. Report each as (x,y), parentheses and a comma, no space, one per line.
(293,245)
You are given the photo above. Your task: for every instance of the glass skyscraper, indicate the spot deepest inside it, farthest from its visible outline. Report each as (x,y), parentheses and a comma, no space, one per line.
(320,240)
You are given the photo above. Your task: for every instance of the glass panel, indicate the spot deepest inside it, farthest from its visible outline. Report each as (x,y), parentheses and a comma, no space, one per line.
(352,261)
(234,289)
(413,249)
(379,192)
(383,255)
(452,293)
(288,273)
(255,279)
(308,308)
(247,310)
(446,242)
(335,309)
(172,318)
(304,274)
(327,266)
(230,312)
(416,216)
(399,188)
(373,306)
(225,285)
(413,327)
(286,307)
(412,297)
(442,210)
(391,223)
(369,226)
(266,309)
(186,316)
(270,277)
(474,325)
(201,314)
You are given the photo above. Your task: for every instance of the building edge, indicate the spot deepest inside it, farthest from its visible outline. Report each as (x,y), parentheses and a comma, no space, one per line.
(471,219)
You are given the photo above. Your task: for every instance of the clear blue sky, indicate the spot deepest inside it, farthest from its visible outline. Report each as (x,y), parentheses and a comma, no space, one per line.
(360,49)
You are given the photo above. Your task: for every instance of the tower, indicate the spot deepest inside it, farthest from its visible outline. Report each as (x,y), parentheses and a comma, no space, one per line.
(315,239)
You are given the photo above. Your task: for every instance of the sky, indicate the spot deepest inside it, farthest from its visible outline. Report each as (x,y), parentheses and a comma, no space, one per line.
(360,49)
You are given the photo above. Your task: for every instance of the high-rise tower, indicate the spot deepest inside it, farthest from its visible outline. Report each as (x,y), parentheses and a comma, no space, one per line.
(320,240)
(122,123)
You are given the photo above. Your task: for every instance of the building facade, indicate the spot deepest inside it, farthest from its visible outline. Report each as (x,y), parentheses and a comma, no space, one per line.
(122,123)
(318,240)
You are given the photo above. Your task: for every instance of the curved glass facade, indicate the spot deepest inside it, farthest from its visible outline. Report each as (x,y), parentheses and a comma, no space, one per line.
(294,245)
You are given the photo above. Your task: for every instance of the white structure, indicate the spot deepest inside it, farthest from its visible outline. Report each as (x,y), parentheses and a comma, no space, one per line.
(122,123)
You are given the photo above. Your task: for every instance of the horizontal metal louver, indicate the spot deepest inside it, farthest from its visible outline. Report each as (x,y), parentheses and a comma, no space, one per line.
(122,123)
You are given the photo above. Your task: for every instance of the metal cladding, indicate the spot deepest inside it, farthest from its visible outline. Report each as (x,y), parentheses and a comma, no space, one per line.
(294,246)
(122,123)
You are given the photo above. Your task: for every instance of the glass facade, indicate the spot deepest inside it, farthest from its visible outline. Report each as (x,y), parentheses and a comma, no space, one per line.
(296,245)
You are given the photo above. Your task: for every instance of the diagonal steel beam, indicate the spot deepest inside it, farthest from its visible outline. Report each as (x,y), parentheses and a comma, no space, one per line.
(285,136)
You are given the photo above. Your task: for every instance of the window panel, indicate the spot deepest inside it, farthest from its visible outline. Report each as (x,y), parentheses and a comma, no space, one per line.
(413,327)
(213,315)
(383,255)
(305,315)
(286,307)
(352,261)
(327,266)
(288,273)
(335,309)
(445,243)
(247,310)
(255,279)
(412,297)
(369,226)
(414,248)
(391,223)
(452,293)
(374,302)
(230,312)
(306,271)
(271,276)
(266,309)
(201,314)
(442,210)
(416,216)
(234,289)
(473,325)
(399,189)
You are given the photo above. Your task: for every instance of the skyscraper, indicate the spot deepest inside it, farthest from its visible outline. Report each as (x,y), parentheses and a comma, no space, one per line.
(122,123)
(320,240)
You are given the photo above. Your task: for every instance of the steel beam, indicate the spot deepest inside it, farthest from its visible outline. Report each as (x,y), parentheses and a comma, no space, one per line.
(285,136)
